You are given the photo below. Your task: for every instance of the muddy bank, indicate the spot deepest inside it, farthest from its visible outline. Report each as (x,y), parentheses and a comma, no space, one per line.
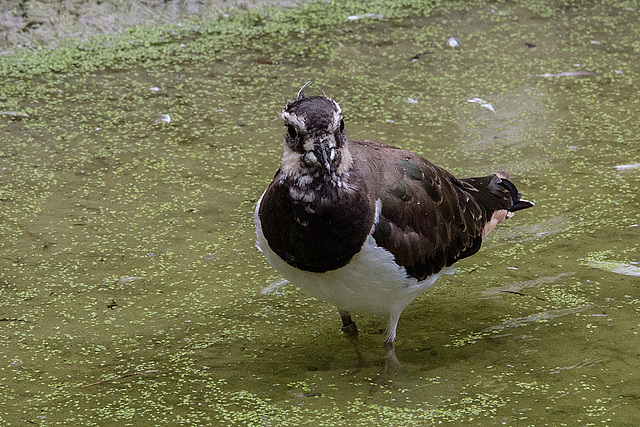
(35,23)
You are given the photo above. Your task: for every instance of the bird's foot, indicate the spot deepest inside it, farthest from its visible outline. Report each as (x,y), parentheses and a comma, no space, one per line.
(352,334)
(389,359)
(350,329)
(390,356)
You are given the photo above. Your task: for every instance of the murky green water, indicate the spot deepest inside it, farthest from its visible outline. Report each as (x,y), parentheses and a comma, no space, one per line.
(130,287)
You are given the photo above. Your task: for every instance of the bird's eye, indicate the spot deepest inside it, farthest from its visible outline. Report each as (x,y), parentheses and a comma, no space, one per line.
(292,131)
(341,125)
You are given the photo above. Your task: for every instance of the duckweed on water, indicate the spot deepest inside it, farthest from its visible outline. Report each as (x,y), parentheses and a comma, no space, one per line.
(129,282)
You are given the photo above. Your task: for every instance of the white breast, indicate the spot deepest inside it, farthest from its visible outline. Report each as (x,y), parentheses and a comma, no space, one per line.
(371,282)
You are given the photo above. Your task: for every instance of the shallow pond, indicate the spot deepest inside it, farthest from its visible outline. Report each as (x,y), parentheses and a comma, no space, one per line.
(130,288)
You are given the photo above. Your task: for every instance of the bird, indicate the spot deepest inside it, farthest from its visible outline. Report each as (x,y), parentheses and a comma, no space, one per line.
(365,226)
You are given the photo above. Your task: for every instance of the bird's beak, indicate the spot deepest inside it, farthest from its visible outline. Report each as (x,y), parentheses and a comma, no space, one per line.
(323,154)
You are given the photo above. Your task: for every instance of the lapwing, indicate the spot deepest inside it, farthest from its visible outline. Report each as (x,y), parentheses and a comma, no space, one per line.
(369,227)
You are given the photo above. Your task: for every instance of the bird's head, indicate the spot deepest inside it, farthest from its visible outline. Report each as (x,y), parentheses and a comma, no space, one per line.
(315,143)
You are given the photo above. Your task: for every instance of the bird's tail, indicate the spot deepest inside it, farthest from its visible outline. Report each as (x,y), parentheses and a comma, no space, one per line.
(498,197)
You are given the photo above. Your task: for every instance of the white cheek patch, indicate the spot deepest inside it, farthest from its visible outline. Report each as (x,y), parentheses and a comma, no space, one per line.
(308,144)
(345,161)
(290,162)
(310,158)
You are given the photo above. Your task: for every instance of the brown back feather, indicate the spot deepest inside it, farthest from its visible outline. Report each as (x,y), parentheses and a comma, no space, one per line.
(429,218)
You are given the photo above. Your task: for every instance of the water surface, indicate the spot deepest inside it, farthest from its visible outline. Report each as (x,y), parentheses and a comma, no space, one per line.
(130,287)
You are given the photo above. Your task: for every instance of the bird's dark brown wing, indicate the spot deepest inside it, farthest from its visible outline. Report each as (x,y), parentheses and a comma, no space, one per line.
(429,219)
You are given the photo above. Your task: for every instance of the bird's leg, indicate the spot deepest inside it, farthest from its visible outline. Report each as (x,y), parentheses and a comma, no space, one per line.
(383,377)
(348,326)
(390,355)
(351,331)
(390,337)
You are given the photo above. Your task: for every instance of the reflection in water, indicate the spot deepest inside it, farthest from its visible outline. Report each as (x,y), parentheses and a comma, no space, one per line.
(537,317)
(517,287)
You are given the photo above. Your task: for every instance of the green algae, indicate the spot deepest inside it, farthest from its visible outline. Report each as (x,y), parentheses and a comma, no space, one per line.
(130,284)
(254,29)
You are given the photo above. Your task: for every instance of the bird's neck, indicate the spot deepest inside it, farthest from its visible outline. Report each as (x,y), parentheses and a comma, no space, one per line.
(312,187)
